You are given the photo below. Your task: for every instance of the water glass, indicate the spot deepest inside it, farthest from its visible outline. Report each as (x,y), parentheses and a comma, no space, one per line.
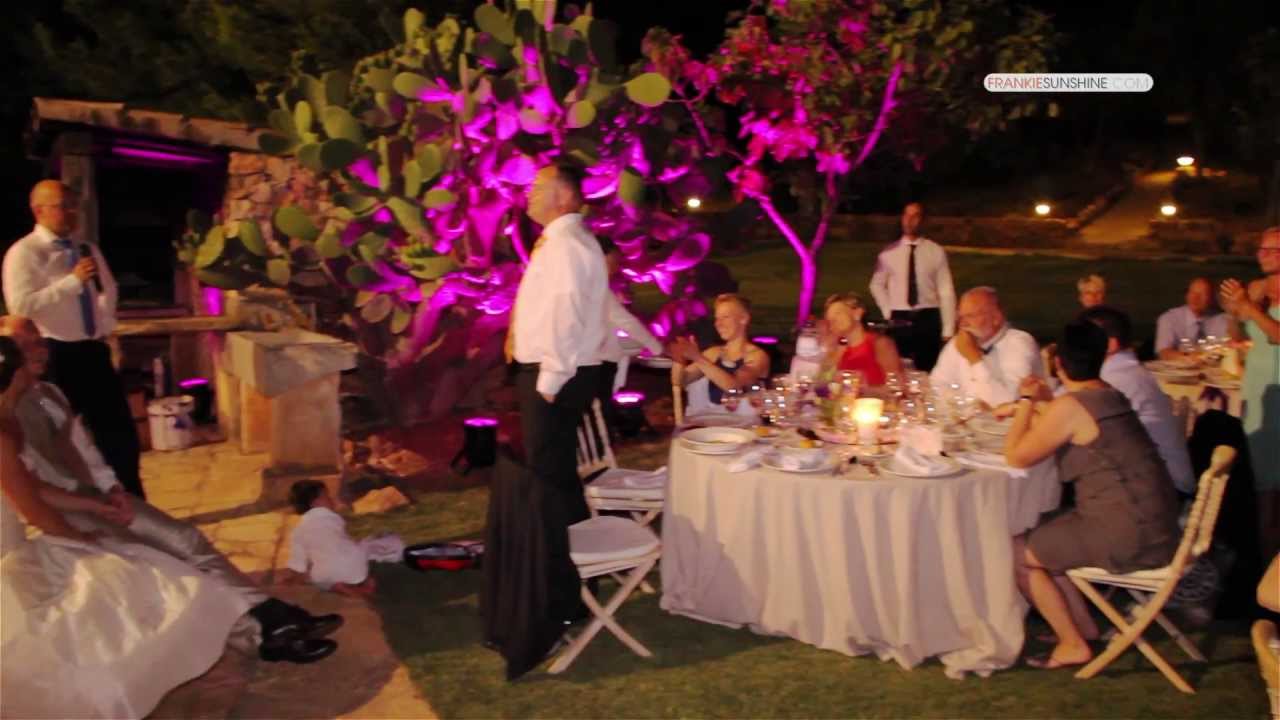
(730,399)
(755,396)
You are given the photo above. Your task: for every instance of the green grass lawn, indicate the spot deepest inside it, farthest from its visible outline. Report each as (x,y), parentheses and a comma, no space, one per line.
(703,670)
(1038,290)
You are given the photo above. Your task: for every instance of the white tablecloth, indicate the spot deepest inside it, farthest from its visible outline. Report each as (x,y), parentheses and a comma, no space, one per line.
(904,568)
(1205,397)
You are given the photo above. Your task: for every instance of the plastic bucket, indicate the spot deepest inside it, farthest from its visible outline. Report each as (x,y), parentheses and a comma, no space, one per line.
(170,421)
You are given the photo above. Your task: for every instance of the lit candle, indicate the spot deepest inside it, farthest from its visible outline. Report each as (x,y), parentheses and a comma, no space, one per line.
(866,415)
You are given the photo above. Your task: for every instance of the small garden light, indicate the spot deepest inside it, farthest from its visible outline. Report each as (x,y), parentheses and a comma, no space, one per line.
(1186,161)
(693,203)
(1043,209)
(1168,209)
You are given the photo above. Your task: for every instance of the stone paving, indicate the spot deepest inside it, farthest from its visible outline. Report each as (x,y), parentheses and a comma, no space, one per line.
(218,489)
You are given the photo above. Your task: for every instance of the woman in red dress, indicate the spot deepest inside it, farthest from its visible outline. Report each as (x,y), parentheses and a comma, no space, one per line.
(852,346)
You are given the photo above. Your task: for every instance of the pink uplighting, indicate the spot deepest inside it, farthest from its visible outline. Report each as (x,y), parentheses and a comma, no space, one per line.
(212,300)
(193,383)
(480,422)
(628,397)
(160,155)
(765,340)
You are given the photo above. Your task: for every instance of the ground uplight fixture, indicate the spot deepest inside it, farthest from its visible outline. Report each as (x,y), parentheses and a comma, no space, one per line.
(1168,209)
(1043,209)
(693,203)
(479,444)
(1186,161)
(629,412)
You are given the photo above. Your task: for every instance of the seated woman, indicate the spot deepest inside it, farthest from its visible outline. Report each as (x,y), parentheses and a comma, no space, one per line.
(734,365)
(1126,513)
(92,628)
(851,346)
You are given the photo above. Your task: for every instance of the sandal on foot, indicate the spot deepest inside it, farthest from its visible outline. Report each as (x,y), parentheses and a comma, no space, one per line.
(1047,662)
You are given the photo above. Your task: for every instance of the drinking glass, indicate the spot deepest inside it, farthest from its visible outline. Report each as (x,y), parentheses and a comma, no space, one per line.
(730,399)
(755,396)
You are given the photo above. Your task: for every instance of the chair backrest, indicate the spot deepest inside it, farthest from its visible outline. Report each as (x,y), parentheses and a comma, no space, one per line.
(594,451)
(677,403)
(1182,415)
(1198,534)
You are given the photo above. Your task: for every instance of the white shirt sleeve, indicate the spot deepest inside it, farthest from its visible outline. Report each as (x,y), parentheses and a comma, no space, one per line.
(996,378)
(946,295)
(1164,331)
(880,285)
(104,478)
(618,316)
(23,293)
(299,561)
(565,306)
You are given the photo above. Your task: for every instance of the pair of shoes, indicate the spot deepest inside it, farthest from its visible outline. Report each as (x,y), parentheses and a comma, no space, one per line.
(296,648)
(318,626)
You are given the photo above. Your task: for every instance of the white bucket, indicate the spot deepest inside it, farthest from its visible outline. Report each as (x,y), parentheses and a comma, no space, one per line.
(170,421)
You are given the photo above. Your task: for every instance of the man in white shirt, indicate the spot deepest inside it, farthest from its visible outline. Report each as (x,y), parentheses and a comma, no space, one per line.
(912,286)
(987,358)
(1124,372)
(66,287)
(558,324)
(614,355)
(58,452)
(1195,320)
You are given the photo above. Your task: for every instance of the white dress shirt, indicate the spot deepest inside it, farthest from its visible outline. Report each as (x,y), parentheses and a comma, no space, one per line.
(618,317)
(1180,322)
(38,284)
(43,412)
(321,548)
(1010,355)
(934,288)
(559,313)
(1125,373)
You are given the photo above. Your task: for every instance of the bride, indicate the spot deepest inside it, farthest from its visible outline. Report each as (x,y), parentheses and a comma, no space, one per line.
(92,627)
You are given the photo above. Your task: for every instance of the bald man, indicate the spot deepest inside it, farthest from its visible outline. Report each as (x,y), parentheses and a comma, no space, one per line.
(66,288)
(987,358)
(1197,319)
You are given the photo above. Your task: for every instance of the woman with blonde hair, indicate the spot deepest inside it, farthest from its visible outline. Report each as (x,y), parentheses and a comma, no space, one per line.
(735,365)
(853,347)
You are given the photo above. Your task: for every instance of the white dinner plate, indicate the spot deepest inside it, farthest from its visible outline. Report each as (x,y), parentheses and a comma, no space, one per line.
(717,440)
(658,363)
(991,426)
(890,465)
(719,420)
(1169,366)
(774,463)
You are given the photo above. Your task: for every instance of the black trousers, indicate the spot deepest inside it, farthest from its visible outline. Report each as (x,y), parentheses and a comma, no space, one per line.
(84,373)
(551,451)
(604,393)
(920,338)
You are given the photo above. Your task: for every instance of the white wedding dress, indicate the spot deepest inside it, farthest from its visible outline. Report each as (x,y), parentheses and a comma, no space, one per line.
(101,631)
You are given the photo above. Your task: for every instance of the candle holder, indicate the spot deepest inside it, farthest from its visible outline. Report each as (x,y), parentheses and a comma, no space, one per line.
(866,417)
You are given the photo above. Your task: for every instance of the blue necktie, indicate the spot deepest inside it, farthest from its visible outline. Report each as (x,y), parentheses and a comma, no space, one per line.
(86,295)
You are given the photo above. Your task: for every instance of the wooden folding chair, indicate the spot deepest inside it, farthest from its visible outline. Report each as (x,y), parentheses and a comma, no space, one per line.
(677,403)
(1183,417)
(1152,588)
(608,545)
(637,492)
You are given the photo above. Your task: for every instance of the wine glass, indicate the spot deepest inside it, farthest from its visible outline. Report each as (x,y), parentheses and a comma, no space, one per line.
(755,396)
(730,399)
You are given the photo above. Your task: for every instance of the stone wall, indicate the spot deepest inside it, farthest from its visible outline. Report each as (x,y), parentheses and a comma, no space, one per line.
(258,184)
(1202,237)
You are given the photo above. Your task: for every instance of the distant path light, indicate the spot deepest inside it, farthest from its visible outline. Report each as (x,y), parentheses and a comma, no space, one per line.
(1043,208)
(693,203)
(1168,209)
(1185,161)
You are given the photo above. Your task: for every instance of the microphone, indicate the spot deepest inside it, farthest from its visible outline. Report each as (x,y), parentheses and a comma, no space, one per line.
(87,252)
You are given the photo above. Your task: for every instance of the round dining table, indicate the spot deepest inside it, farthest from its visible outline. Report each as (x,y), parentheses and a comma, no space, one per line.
(905,568)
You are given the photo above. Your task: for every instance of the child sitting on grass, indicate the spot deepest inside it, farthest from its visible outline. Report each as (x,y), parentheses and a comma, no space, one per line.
(321,549)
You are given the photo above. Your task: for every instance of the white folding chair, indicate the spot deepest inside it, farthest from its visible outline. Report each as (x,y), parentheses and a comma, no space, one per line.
(1267,647)
(677,403)
(608,545)
(1152,588)
(637,492)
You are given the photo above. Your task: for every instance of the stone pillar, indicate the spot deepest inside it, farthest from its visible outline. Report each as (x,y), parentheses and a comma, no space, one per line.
(304,423)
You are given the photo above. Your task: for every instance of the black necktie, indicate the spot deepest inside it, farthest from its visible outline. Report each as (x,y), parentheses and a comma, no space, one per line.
(1199,329)
(913,292)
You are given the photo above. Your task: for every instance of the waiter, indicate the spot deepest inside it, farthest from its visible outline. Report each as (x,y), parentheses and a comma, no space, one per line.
(66,288)
(557,326)
(912,285)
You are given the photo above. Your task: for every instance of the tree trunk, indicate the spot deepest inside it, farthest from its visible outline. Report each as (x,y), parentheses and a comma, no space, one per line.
(808,284)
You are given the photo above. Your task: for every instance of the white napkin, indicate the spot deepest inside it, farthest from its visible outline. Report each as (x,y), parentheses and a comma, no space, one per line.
(747,461)
(989,461)
(911,460)
(796,462)
(657,478)
(925,439)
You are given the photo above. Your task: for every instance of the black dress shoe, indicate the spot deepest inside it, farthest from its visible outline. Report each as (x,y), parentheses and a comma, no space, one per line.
(296,649)
(318,626)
